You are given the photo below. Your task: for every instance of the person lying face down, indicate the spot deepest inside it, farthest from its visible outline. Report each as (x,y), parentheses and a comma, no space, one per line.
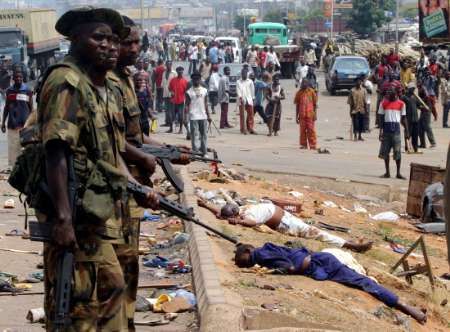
(319,266)
(280,220)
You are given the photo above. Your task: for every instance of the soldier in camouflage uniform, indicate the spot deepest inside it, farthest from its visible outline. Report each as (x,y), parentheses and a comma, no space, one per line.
(80,115)
(128,253)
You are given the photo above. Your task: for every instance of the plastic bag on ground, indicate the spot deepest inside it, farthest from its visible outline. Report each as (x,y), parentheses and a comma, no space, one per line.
(385,216)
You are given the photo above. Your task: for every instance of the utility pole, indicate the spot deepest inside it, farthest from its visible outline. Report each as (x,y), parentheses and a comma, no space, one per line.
(142,14)
(332,20)
(397,6)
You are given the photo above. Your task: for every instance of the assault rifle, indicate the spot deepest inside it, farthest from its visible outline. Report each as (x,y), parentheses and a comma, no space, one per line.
(168,153)
(42,232)
(176,209)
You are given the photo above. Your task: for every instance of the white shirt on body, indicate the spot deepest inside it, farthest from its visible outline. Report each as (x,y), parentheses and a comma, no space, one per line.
(245,89)
(260,213)
(197,110)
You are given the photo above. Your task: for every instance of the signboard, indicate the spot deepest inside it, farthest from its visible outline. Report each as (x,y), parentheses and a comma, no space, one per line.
(343,4)
(328,24)
(434,21)
(248,12)
(327,8)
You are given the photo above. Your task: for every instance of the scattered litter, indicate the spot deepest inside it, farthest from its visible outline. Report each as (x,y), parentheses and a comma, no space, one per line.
(268,287)
(398,248)
(323,151)
(22,251)
(158,261)
(385,216)
(333,227)
(36,315)
(17,232)
(359,209)
(306,187)
(433,227)
(23,286)
(178,267)
(142,305)
(150,217)
(444,302)
(330,204)
(270,306)
(180,238)
(340,138)
(9,204)
(345,209)
(39,275)
(176,305)
(188,296)
(6,286)
(319,212)
(155,322)
(158,302)
(296,194)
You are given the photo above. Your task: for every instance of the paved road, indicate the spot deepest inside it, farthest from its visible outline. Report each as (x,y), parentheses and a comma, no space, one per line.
(348,159)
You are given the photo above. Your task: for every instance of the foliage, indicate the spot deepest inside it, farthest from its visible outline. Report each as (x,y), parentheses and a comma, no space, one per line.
(409,13)
(241,23)
(275,16)
(368,15)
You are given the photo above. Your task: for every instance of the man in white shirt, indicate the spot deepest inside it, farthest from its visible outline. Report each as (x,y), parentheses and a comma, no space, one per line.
(301,72)
(281,221)
(245,90)
(193,57)
(272,57)
(252,59)
(213,87)
(196,103)
(310,56)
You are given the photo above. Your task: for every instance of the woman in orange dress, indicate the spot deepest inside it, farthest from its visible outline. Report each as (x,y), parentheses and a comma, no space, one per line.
(306,109)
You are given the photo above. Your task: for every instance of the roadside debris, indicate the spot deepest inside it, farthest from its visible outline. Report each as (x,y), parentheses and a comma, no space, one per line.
(385,216)
(36,315)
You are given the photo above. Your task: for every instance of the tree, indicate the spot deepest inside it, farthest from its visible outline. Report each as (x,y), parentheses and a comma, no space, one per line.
(368,15)
(274,16)
(241,23)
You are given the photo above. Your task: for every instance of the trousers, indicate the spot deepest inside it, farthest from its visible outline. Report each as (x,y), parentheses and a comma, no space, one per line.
(199,135)
(246,124)
(98,286)
(168,108)
(445,114)
(128,256)
(414,133)
(224,115)
(260,110)
(159,99)
(358,123)
(325,266)
(294,226)
(307,132)
(425,129)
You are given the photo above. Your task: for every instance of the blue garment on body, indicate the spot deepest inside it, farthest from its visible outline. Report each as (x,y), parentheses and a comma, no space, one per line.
(214,55)
(276,257)
(260,86)
(325,266)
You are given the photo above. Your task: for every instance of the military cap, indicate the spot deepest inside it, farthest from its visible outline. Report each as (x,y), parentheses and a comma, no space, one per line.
(89,14)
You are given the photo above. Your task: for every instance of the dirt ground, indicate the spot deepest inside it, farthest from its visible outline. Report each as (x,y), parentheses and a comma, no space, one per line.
(13,309)
(329,303)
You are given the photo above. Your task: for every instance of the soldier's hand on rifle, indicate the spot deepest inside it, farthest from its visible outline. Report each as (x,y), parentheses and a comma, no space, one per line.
(64,234)
(150,200)
(149,163)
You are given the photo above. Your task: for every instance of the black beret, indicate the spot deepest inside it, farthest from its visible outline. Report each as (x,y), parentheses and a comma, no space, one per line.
(71,19)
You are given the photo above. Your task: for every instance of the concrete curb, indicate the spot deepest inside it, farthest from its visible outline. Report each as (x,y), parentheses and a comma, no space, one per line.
(214,311)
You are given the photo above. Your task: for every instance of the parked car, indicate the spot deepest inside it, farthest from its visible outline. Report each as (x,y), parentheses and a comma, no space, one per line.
(235,45)
(343,72)
(235,69)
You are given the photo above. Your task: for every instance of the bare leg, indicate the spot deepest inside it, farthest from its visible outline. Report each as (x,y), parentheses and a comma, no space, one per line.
(358,247)
(386,165)
(399,175)
(418,314)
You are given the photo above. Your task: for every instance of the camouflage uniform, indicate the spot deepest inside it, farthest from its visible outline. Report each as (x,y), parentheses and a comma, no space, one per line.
(72,110)
(128,253)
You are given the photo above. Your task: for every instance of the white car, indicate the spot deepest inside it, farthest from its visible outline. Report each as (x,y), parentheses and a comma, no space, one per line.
(235,44)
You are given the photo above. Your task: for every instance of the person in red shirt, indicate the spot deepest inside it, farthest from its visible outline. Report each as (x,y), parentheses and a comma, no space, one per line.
(262,59)
(392,57)
(178,87)
(158,73)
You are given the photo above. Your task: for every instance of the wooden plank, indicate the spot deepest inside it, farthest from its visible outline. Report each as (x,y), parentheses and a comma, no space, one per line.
(414,206)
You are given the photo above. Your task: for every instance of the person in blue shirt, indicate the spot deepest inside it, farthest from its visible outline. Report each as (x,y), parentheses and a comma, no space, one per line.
(319,266)
(214,54)
(260,92)
(18,106)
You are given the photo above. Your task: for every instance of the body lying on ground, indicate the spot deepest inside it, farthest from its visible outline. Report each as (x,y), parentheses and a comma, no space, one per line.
(280,220)
(319,266)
